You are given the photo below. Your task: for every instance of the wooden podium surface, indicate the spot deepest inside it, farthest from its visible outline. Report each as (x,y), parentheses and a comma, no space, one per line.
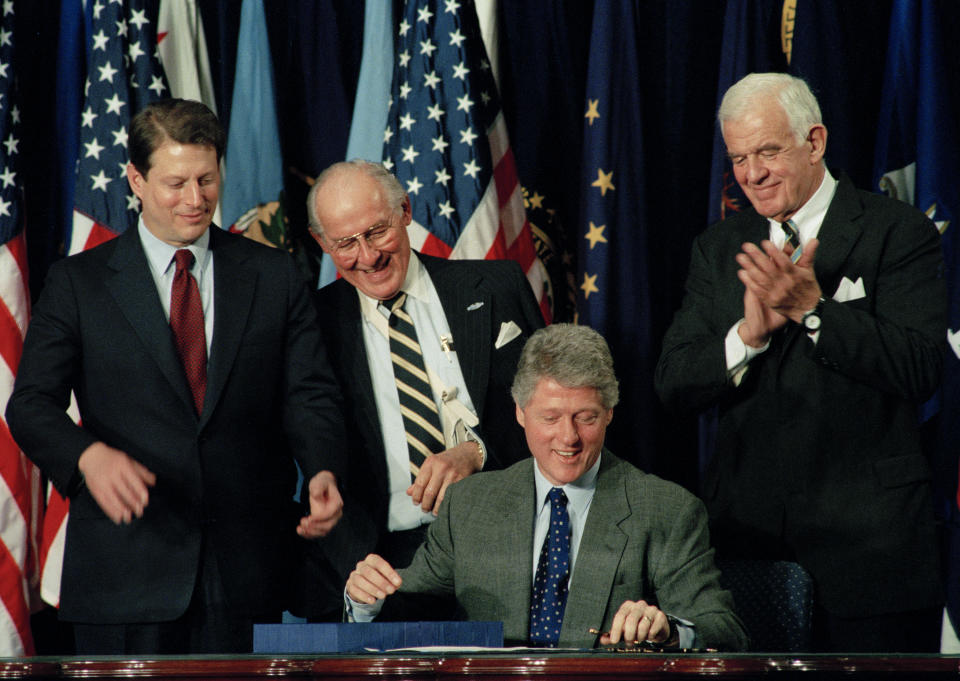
(491,666)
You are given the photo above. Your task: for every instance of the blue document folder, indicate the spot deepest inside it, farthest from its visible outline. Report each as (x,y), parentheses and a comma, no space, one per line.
(361,637)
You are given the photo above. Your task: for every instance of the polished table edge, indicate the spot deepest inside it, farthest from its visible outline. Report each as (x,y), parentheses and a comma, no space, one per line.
(494,664)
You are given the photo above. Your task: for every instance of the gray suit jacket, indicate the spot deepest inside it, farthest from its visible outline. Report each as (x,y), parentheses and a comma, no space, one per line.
(644,538)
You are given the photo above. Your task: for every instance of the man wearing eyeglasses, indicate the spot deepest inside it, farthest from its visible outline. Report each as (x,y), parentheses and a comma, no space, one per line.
(425,350)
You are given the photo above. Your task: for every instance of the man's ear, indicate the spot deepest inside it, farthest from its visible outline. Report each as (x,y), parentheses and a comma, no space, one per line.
(519,415)
(136,180)
(817,137)
(320,240)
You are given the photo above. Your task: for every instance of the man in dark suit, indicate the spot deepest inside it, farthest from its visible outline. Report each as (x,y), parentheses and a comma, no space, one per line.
(470,319)
(637,562)
(180,475)
(817,348)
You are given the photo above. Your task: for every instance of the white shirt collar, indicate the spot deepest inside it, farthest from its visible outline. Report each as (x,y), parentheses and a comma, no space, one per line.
(413,285)
(579,492)
(810,216)
(160,254)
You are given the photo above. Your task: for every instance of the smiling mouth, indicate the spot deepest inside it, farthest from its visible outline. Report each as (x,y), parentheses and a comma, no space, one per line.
(565,455)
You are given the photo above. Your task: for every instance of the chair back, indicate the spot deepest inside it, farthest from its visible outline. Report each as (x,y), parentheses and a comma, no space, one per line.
(774,599)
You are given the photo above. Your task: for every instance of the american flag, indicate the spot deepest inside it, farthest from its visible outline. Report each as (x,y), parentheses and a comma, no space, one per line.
(446,141)
(123,76)
(19,479)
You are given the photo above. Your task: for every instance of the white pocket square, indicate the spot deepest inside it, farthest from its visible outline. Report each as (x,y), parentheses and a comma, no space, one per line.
(508,331)
(849,290)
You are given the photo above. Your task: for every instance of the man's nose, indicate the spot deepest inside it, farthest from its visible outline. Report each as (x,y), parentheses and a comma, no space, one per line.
(366,253)
(192,194)
(569,433)
(756,170)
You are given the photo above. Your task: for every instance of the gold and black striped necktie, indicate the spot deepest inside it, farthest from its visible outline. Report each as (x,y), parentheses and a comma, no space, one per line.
(421,420)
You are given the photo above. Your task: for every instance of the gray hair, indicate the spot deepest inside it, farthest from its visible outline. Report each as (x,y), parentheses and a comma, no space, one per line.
(793,94)
(391,187)
(573,356)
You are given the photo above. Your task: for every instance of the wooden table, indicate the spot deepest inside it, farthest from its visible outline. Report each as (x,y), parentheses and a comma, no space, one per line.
(491,667)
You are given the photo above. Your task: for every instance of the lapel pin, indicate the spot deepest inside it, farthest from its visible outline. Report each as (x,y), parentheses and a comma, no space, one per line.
(475,306)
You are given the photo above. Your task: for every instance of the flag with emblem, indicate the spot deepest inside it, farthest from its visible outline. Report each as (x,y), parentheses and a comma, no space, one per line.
(613,281)
(182,47)
(755,36)
(123,75)
(253,201)
(917,160)
(20,492)
(446,141)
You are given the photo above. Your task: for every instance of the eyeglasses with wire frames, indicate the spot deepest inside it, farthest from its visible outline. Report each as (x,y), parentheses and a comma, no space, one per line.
(376,237)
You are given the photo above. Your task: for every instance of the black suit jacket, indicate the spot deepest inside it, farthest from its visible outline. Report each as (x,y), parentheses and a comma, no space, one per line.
(477,297)
(227,476)
(817,451)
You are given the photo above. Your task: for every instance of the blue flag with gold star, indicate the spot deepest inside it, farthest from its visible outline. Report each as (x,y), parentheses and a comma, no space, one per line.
(754,37)
(614,293)
(918,161)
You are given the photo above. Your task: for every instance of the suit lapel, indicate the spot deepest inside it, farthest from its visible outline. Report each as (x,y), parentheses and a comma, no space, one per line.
(135,292)
(514,578)
(234,285)
(468,310)
(341,304)
(353,351)
(838,235)
(599,556)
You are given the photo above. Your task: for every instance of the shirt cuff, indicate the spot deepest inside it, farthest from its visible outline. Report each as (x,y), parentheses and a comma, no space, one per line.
(360,612)
(686,632)
(738,353)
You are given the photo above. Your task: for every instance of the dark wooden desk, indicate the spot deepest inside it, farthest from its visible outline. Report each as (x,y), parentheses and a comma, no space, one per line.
(491,667)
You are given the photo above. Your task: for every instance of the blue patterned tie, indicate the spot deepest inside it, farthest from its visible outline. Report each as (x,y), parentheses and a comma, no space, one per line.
(792,237)
(549,596)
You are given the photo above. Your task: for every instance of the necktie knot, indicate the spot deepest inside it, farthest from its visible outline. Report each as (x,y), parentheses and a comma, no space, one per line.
(557,497)
(184,259)
(396,302)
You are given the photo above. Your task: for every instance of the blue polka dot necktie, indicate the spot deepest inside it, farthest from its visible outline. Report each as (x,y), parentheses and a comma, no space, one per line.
(549,596)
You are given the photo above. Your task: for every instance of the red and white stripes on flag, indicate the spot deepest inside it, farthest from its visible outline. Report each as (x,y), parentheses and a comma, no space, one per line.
(446,141)
(123,76)
(20,493)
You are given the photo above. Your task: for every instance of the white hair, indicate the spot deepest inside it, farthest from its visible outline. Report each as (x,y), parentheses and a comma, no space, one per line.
(793,95)
(391,187)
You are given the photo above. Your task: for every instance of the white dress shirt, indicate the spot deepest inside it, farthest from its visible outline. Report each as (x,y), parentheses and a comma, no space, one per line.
(423,306)
(162,268)
(807,221)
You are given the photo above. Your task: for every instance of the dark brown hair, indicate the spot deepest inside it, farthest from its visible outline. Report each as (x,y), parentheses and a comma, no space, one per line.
(181,120)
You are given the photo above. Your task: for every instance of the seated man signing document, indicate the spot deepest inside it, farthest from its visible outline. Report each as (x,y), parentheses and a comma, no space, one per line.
(572,548)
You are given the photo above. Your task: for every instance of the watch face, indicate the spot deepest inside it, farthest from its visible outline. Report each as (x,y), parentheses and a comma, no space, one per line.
(811,322)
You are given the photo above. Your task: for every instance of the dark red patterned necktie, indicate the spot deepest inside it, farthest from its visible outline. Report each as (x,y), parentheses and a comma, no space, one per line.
(186,320)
